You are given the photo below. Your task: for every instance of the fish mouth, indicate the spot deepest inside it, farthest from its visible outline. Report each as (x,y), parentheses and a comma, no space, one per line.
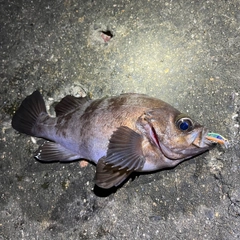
(201,139)
(198,144)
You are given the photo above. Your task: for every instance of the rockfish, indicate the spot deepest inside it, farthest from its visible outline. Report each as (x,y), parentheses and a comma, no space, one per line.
(121,134)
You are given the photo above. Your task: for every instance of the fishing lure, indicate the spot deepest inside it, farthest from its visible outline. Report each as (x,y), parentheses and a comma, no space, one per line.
(215,137)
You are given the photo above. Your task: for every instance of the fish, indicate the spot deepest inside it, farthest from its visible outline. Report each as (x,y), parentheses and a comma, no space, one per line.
(120,134)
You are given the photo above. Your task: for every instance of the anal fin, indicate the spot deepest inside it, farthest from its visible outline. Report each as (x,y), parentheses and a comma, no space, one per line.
(54,152)
(108,176)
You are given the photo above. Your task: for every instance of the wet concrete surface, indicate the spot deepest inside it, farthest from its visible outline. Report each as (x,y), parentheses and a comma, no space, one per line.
(184,52)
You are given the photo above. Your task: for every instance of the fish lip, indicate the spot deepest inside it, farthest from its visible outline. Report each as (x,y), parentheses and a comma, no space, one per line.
(200,140)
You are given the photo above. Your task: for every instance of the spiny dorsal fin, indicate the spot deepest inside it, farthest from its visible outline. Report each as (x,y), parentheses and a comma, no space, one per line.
(69,103)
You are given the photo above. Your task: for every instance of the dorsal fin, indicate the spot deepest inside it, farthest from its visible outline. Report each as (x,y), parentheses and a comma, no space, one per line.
(69,103)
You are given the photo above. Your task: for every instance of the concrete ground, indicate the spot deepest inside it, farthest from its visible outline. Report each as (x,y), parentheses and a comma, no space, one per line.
(184,52)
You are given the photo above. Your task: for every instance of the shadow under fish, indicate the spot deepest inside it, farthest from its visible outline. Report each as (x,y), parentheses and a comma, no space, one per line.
(121,135)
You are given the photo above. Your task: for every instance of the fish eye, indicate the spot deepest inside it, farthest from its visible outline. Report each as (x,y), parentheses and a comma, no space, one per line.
(184,123)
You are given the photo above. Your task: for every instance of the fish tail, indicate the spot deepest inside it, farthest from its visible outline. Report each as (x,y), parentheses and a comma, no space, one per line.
(26,117)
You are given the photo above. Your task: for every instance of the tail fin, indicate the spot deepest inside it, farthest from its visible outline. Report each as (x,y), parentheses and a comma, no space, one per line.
(26,116)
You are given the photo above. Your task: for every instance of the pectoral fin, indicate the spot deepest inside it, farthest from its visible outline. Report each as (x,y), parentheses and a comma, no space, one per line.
(125,149)
(54,152)
(124,156)
(108,176)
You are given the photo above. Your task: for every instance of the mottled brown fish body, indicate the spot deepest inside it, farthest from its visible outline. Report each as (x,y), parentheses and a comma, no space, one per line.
(122,134)
(104,116)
